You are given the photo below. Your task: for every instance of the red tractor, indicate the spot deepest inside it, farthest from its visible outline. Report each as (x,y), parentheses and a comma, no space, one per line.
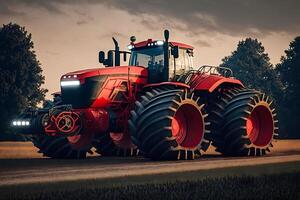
(158,106)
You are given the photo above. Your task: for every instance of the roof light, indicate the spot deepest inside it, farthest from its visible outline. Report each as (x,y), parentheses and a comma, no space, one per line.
(75,76)
(130,46)
(64,76)
(159,42)
(132,38)
(70,83)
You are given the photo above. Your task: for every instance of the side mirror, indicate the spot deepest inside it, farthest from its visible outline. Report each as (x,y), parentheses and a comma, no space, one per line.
(110,58)
(101,57)
(175,51)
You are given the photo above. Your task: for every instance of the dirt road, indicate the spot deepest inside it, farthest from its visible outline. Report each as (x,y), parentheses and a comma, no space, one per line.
(15,169)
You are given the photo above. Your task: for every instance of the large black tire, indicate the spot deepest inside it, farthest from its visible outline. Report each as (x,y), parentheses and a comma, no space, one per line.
(216,105)
(152,125)
(249,124)
(57,147)
(106,147)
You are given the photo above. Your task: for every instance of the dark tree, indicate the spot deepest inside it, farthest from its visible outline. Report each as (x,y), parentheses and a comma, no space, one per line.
(289,71)
(20,74)
(252,66)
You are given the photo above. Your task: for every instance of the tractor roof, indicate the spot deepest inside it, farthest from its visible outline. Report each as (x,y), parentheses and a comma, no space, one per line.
(150,41)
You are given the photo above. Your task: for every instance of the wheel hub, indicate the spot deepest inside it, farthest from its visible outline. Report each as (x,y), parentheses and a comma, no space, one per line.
(68,123)
(187,126)
(260,126)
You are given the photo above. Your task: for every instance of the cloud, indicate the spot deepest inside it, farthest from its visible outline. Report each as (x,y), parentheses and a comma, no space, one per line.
(81,22)
(117,35)
(202,43)
(230,17)
(6,10)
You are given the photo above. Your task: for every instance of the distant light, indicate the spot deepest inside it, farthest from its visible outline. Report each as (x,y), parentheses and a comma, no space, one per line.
(70,83)
(159,42)
(130,46)
(20,123)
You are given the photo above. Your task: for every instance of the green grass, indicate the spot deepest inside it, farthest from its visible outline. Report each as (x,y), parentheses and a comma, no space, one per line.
(272,181)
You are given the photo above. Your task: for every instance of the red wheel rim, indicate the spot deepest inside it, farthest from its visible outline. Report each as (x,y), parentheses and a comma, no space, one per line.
(81,140)
(122,140)
(260,126)
(187,126)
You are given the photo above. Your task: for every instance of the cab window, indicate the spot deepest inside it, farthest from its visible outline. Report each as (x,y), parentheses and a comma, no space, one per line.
(183,62)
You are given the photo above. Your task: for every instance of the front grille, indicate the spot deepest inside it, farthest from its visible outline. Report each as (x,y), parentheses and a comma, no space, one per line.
(85,94)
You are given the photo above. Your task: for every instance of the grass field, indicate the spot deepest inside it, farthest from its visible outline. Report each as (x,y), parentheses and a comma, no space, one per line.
(279,181)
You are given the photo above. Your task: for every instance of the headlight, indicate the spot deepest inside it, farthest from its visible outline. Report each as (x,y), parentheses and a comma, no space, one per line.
(70,83)
(20,123)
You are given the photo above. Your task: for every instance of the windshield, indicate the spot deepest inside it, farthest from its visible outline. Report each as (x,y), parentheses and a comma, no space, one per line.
(151,57)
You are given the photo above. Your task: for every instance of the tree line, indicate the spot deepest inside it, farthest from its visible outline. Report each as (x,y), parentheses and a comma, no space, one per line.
(21,77)
(251,64)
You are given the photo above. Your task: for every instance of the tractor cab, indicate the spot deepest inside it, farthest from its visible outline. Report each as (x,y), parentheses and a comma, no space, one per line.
(165,61)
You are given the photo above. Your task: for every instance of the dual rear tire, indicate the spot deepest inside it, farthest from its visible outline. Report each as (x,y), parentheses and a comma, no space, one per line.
(243,123)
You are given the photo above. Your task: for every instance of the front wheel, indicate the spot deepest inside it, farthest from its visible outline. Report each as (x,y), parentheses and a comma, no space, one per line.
(58,147)
(73,147)
(169,124)
(113,144)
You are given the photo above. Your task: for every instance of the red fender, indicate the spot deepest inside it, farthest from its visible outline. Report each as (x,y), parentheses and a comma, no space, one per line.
(211,82)
(178,84)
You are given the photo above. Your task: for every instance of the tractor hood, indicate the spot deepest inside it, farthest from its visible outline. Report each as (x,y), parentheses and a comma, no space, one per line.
(82,88)
(81,75)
